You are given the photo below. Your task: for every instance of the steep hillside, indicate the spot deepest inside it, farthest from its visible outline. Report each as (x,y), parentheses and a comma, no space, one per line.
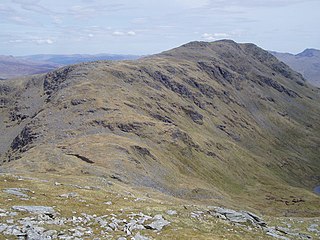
(307,63)
(219,122)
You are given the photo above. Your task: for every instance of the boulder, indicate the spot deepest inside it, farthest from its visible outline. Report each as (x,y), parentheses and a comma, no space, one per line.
(35,209)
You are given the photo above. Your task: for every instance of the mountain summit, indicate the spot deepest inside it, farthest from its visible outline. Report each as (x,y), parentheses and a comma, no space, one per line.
(307,63)
(218,122)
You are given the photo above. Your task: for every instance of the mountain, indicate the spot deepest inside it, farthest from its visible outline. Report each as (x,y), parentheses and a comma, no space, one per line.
(307,63)
(218,123)
(11,67)
(76,58)
(34,64)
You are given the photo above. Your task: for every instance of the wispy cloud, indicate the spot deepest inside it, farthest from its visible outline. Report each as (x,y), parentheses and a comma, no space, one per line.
(193,3)
(20,20)
(131,33)
(33,6)
(214,36)
(43,41)
(38,24)
(121,33)
(255,3)
(91,9)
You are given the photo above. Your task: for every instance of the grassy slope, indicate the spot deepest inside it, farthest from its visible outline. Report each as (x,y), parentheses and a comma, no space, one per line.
(47,188)
(255,146)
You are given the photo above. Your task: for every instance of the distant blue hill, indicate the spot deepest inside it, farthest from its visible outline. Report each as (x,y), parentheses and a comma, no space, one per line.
(62,59)
(11,66)
(307,63)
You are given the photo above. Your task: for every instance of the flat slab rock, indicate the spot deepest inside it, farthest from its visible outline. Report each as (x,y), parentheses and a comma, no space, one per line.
(19,192)
(35,209)
(158,223)
(240,217)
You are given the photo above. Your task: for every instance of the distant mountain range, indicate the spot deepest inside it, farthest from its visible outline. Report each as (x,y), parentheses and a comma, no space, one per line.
(307,63)
(11,66)
(76,58)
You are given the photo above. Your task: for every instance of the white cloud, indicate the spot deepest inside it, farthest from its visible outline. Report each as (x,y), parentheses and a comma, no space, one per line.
(214,36)
(255,3)
(16,41)
(131,33)
(83,11)
(57,20)
(139,20)
(121,33)
(20,20)
(43,41)
(193,3)
(118,33)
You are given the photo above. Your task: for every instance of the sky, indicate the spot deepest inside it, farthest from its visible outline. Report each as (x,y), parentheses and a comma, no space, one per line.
(150,26)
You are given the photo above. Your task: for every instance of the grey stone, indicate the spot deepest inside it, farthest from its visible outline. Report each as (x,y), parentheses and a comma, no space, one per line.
(144,218)
(197,214)
(158,224)
(50,233)
(172,212)
(3,227)
(238,217)
(10,221)
(65,237)
(32,234)
(77,233)
(313,228)
(69,195)
(140,237)
(14,230)
(131,226)
(35,209)
(113,225)
(274,233)
(158,217)
(17,192)
(12,214)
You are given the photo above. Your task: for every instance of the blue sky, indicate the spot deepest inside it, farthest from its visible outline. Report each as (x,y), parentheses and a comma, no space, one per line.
(151,26)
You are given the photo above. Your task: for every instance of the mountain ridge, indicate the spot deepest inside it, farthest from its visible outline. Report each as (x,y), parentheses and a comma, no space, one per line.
(307,63)
(217,122)
(11,67)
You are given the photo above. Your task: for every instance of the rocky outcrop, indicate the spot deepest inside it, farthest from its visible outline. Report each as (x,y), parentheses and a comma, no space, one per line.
(35,209)
(193,114)
(238,217)
(245,218)
(82,158)
(24,140)
(54,81)
(277,86)
(216,72)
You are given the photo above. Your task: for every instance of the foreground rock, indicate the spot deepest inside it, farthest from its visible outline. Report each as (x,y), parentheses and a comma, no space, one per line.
(35,209)
(158,223)
(44,222)
(248,219)
(238,217)
(19,192)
